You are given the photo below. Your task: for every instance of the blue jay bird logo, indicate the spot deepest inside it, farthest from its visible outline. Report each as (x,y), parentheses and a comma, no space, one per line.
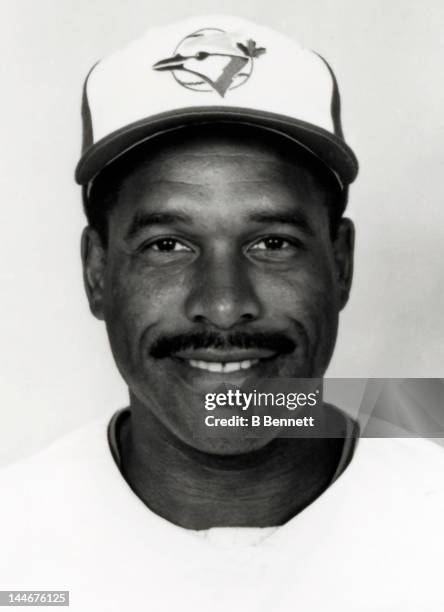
(212,60)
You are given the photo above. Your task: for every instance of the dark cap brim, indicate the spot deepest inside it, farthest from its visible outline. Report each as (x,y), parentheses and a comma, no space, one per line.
(330,149)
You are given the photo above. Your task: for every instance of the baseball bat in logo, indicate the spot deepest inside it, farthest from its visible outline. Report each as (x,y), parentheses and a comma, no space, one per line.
(212,60)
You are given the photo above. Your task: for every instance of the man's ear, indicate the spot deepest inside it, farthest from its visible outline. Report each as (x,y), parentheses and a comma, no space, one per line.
(94,262)
(343,248)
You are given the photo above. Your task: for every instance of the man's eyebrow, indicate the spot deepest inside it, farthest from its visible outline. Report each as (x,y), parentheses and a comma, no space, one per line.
(142,220)
(295,218)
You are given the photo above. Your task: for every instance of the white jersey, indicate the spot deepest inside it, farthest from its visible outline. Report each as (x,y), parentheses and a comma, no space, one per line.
(374,541)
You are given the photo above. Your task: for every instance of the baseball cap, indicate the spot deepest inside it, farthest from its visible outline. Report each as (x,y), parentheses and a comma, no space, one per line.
(212,70)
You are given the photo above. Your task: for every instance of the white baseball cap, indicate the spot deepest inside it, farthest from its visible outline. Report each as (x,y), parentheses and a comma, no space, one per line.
(211,70)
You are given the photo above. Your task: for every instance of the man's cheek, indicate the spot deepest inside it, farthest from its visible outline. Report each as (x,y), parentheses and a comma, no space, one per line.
(301,291)
(130,293)
(136,309)
(307,298)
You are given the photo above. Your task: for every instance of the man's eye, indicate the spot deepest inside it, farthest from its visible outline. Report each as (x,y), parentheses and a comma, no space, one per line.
(271,243)
(167,245)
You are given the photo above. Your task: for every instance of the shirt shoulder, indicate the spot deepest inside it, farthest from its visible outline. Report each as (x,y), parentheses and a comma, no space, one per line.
(70,452)
(416,464)
(49,491)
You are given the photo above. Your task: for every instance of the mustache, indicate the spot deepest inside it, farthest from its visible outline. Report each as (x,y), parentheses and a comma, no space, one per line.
(166,346)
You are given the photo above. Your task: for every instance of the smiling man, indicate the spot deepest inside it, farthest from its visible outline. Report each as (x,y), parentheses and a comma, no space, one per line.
(215,178)
(197,234)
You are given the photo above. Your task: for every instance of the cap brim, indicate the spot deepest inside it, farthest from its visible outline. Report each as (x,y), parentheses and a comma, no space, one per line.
(332,150)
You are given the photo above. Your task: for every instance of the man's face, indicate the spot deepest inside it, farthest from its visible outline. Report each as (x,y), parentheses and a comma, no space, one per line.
(219,267)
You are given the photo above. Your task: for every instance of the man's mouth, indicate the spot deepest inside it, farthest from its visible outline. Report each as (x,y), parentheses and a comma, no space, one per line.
(224,362)
(224,367)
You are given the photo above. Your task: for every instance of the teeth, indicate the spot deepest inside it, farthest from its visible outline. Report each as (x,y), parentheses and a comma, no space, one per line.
(223,367)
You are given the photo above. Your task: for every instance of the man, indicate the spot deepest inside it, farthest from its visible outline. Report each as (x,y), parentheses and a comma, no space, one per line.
(215,177)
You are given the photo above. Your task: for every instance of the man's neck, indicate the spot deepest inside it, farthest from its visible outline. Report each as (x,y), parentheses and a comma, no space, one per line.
(197,490)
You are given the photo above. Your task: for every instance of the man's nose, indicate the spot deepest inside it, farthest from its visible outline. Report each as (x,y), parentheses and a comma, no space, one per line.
(223,296)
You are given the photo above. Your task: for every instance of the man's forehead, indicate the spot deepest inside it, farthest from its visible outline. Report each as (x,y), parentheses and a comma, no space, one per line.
(203,182)
(214,158)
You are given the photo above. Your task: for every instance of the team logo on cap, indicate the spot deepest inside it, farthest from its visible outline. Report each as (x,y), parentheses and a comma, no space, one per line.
(212,60)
